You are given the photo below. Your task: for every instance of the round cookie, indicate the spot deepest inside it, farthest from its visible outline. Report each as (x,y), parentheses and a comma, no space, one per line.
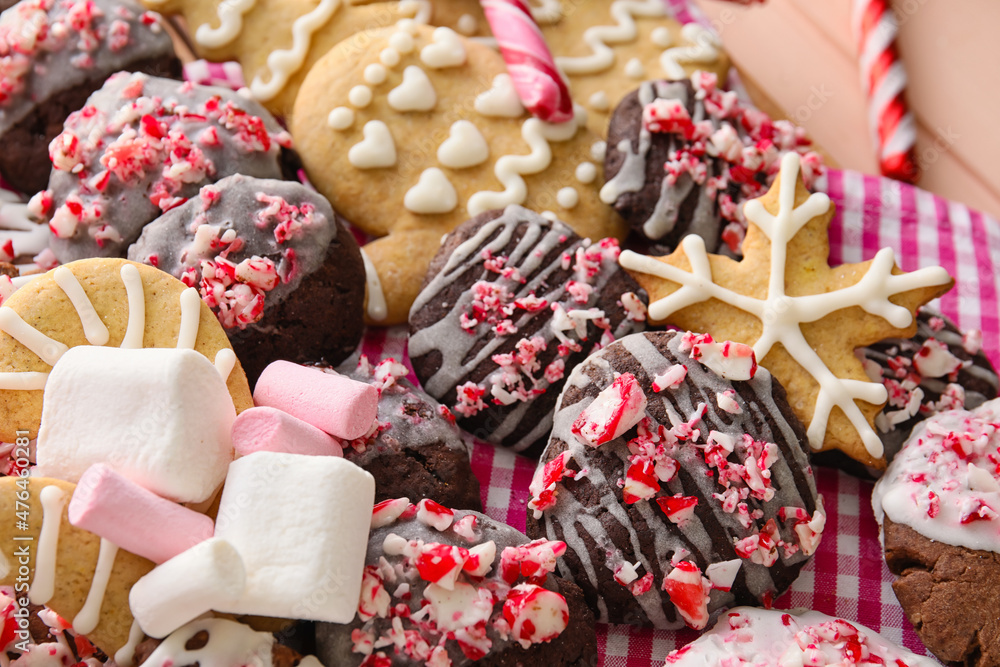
(416,449)
(684,156)
(431,122)
(939,507)
(677,492)
(273,262)
(446,584)
(55,55)
(106,308)
(512,302)
(141,146)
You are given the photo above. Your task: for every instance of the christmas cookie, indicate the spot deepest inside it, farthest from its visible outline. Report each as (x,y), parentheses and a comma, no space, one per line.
(431,122)
(271,259)
(452,587)
(141,146)
(677,476)
(683,157)
(55,55)
(803,317)
(512,302)
(415,447)
(939,507)
(747,636)
(103,302)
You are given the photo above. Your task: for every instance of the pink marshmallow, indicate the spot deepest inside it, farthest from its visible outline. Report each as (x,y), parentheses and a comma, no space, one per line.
(338,405)
(136,519)
(271,430)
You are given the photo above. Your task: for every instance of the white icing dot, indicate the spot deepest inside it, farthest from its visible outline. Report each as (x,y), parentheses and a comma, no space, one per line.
(446,51)
(433,193)
(467,24)
(376,150)
(661,37)
(415,93)
(408,25)
(402,42)
(635,69)
(360,96)
(598,150)
(340,118)
(375,74)
(599,101)
(586,172)
(389,57)
(501,100)
(568,197)
(464,147)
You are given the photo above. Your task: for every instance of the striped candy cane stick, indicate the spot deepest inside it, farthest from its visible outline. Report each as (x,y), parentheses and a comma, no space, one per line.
(529,61)
(884,79)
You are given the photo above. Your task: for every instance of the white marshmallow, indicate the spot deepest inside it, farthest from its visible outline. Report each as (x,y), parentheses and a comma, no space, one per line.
(160,417)
(301,525)
(206,576)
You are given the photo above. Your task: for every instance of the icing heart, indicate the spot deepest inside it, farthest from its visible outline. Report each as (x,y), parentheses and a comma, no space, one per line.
(464,147)
(415,93)
(446,51)
(501,100)
(376,150)
(433,193)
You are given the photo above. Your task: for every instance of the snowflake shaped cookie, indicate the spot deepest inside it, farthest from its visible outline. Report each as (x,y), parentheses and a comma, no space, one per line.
(803,317)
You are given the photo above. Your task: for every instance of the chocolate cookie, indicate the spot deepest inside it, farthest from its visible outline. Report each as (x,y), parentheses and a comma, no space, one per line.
(939,507)
(457,588)
(55,55)
(142,146)
(416,450)
(511,303)
(272,261)
(677,491)
(683,157)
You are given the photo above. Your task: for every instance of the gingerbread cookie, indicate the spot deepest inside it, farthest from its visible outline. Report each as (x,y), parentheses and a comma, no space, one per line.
(512,302)
(105,302)
(939,507)
(142,146)
(272,261)
(431,122)
(55,55)
(803,317)
(678,491)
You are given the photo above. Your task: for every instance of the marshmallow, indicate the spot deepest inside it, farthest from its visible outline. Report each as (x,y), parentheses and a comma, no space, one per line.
(137,520)
(205,577)
(160,417)
(300,524)
(271,430)
(342,407)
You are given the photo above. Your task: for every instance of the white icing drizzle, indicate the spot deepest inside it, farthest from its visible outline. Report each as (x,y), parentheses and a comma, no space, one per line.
(501,100)
(283,63)
(125,656)
(47,349)
(43,584)
(190,319)
(465,146)
(422,10)
(90,615)
(27,237)
(703,48)
(31,381)
(376,150)
(231,14)
(225,362)
(415,93)
(93,328)
(136,328)
(340,118)
(598,38)
(377,309)
(433,193)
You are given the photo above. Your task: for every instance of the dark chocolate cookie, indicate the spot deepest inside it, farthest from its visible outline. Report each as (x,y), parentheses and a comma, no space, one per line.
(453,584)
(683,156)
(55,55)
(274,263)
(417,451)
(678,492)
(511,303)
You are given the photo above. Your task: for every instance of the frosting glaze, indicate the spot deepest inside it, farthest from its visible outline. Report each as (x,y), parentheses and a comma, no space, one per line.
(141,146)
(945,481)
(231,13)
(511,302)
(713,482)
(747,637)
(47,46)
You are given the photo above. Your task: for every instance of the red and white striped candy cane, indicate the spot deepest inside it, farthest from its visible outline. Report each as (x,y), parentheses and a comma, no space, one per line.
(884,80)
(530,63)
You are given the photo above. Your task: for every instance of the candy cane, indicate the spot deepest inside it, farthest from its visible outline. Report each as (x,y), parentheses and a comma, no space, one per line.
(532,69)
(884,80)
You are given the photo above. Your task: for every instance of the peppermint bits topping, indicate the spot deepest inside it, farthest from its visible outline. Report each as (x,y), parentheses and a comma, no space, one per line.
(688,590)
(731,361)
(535,614)
(615,410)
